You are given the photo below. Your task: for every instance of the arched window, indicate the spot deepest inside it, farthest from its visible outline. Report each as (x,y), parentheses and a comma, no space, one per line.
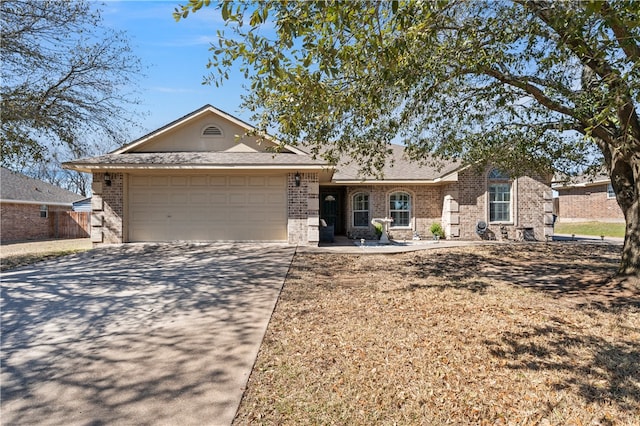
(499,196)
(400,209)
(361,210)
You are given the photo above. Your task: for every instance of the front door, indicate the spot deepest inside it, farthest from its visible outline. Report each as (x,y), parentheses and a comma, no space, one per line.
(332,208)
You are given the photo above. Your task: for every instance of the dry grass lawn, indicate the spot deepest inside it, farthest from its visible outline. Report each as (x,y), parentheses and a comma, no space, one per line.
(13,255)
(518,334)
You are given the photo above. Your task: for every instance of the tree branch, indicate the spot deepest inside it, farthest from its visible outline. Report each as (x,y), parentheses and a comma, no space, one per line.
(584,52)
(624,37)
(533,91)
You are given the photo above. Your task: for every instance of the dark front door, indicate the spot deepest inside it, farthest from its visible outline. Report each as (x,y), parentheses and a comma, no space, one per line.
(332,208)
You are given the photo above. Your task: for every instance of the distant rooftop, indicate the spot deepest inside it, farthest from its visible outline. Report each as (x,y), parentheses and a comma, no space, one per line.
(16,187)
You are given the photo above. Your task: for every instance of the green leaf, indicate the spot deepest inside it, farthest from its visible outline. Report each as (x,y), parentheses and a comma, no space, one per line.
(225,11)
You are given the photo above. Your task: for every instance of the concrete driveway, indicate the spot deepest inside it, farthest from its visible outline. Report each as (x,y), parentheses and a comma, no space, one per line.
(144,334)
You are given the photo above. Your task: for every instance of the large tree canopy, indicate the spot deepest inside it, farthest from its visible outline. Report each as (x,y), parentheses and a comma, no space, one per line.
(66,82)
(548,85)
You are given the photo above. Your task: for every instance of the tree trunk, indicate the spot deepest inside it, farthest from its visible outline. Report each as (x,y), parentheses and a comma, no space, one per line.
(630,262)
(626,183)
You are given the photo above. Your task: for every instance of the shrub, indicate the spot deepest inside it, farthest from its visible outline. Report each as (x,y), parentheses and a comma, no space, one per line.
(436,230)
(379,229)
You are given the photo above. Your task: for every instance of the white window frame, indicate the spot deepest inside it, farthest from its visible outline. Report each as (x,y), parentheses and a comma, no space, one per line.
(358,208)
(44,211)
(611,194)
(392,210)
(498,180)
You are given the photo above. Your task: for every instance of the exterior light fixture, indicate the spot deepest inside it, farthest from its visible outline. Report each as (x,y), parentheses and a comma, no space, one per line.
(297,179)
(107,179)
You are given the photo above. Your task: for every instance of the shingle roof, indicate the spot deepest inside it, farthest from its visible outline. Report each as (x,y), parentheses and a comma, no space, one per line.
(18,187)
(565,182)
(400,170)
(196,160)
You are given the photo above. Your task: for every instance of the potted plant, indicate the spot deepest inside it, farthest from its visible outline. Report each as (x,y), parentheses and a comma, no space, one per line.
(437,231)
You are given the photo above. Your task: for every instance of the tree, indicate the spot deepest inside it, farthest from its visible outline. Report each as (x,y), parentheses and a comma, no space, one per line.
(64,78)
(553,86)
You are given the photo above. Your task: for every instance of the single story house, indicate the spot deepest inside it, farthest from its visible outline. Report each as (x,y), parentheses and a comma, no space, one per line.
(200,178)
(31,209)
(587,199)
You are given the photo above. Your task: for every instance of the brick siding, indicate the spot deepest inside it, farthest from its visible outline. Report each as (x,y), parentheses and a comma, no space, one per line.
(426,208)
(23,222)
(587,204)
(303,209)
(467,203)
(530,206)
(468,196)
(107,209)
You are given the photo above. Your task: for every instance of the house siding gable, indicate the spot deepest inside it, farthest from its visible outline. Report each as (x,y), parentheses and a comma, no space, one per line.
(188,138)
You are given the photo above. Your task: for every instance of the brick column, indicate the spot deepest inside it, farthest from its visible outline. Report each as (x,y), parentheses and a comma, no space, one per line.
(303,209)
(107,209)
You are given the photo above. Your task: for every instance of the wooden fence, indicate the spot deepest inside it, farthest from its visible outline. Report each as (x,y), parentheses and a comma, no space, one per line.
(70,224)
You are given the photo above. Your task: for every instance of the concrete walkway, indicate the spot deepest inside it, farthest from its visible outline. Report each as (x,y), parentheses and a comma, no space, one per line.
(144,334)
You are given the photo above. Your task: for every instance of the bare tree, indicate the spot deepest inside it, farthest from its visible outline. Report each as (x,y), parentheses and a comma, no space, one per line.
(67,81)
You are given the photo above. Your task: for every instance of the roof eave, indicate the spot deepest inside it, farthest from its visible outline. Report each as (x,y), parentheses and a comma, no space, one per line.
(561,185)
(436,181)
(39,203)
(89,168)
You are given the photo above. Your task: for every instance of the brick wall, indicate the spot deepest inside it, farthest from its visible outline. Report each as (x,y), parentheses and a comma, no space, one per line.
(23,222)
(467,203)
(426,208)
(107,209)
(587,204)
(303,209)
(531,206)
(470,193)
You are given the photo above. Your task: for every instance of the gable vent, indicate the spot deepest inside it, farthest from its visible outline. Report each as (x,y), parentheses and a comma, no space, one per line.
(212,131)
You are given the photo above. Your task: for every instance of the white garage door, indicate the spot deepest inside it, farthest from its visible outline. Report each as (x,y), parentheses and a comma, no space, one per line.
(207,208)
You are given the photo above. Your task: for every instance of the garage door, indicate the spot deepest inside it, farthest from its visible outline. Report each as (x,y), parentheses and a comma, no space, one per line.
(207,208)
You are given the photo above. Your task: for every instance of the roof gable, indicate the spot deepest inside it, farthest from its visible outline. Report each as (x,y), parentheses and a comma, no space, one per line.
(207,129)
(18,188)
(209,138)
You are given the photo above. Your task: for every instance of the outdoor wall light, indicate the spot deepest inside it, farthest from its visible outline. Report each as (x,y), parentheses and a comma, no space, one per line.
(297,178)
(107,179)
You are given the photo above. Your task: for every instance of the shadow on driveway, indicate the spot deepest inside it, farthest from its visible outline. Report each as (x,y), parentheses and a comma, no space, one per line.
(136,334)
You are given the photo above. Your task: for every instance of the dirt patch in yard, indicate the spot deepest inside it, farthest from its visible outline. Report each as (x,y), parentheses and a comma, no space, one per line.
(504,334)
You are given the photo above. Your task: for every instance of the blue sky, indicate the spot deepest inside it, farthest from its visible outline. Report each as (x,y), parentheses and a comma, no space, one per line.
(175,55)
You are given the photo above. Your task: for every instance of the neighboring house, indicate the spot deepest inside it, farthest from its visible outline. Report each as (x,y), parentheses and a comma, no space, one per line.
(587,198)
(83,205)
(31,209)
(195,179)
